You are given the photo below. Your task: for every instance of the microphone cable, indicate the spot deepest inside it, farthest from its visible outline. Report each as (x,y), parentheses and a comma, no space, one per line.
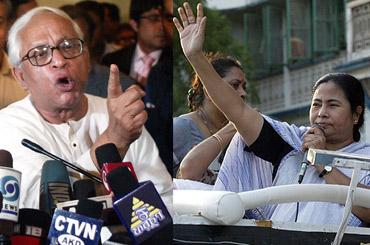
(305,165)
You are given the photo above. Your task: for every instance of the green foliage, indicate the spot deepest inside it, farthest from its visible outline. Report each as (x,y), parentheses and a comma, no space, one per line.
(218,39)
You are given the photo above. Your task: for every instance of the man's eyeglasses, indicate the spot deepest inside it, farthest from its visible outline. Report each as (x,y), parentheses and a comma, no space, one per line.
(43,54)
(158,17)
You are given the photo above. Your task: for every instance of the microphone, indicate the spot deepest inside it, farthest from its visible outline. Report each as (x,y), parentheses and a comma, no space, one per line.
(303,169)
(32,227)
(54,186)
(140,208)
(83,189)
(10,193)
(305,162)
(74,228)
(35,147)
(6,159)
(108,159)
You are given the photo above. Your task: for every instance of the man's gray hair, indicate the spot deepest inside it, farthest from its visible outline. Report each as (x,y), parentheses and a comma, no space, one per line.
(15,42)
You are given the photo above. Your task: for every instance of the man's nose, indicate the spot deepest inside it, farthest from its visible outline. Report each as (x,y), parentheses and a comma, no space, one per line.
(58,59)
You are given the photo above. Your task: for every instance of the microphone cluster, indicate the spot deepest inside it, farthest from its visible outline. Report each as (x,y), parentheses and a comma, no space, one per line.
(76,215)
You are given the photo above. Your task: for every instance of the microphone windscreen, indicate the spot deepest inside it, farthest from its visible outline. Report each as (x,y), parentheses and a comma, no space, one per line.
(32,222)
(34,217)
(110,217)
(55,186)
(89,208)
(107,153)
(6,159)
(84,188)
(121,181)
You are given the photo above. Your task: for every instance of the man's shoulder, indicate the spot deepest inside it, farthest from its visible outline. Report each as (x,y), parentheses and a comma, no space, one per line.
(19,108)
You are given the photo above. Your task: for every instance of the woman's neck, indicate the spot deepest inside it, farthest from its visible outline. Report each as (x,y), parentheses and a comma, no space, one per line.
(334,146)
(213,119)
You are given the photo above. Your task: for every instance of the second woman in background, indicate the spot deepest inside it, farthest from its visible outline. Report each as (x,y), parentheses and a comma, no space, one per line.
(205,120)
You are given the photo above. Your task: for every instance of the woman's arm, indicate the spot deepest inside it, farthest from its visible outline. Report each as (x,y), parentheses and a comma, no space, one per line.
(198,159)
(247,121)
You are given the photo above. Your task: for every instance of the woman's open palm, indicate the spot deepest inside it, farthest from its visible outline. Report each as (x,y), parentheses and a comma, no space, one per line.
(191,30)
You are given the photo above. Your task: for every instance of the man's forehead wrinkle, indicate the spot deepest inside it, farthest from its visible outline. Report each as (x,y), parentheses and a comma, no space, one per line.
(50,35)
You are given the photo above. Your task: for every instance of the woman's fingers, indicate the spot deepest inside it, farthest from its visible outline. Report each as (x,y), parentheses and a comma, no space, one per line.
(178,25)
(189,13)
(199,13)
(183,17)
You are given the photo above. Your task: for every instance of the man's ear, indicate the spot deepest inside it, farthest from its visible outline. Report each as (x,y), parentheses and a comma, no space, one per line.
(18,74)
(134,25)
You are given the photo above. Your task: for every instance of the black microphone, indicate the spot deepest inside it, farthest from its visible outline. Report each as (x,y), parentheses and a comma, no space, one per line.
(108,158)
(304,165)
(35,147)
(6,159)
(83,189)
(32,227)
(140,208)
(55,186)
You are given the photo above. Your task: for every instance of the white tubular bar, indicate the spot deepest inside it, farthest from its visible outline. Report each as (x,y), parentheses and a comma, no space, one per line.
(228,208)
(304,193)
(222,207)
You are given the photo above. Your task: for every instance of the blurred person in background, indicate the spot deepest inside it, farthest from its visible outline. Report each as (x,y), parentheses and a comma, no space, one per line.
(20,7)
(110,27)
(96,12)
(147,19)
(126,36)
(10,89)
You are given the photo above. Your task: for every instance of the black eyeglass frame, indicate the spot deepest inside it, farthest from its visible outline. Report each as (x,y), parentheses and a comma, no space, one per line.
(52,48)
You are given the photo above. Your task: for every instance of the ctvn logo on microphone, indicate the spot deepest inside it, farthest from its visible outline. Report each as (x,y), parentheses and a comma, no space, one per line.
(71,228)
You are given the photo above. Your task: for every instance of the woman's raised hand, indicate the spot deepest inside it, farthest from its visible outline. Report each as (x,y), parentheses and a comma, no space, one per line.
(191,29)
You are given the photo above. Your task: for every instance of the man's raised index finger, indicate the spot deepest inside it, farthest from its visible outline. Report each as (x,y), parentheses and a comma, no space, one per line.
(114,84)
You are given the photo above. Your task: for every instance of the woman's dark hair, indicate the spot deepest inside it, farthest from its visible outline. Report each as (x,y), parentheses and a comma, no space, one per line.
(353,91)
(222,65)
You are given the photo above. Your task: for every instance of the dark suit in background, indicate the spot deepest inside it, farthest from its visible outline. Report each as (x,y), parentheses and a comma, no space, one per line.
(159,95)
(122,58)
